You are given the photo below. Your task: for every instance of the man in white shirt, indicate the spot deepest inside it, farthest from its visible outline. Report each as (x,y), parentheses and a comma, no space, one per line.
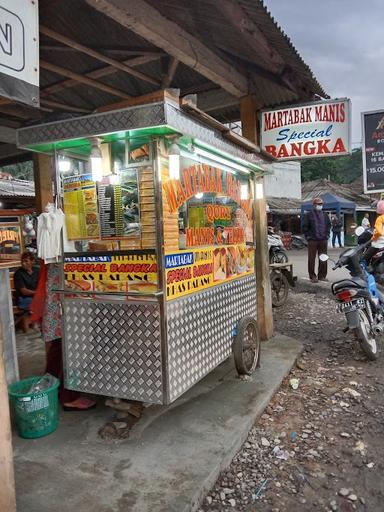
(365,222)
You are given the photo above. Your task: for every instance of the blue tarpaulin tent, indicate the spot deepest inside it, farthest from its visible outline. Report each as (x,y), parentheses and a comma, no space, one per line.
(342,207)
(331,202)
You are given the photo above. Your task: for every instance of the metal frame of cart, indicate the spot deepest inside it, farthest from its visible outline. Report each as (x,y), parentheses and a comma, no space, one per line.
(142,346)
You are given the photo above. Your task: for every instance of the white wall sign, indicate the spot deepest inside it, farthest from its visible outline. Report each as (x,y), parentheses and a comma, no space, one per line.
(320,129)
(19,50)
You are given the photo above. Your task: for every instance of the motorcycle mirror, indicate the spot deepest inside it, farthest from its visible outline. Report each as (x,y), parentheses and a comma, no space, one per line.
(359,231)
(323,257)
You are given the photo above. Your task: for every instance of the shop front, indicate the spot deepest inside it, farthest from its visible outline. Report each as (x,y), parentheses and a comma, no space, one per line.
(157,277)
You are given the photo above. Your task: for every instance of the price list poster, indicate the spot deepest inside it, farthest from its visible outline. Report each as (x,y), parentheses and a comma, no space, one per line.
(80,207)
(110,211)
(373,151)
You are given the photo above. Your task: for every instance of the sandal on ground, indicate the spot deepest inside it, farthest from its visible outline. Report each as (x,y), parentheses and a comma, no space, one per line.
(80,404)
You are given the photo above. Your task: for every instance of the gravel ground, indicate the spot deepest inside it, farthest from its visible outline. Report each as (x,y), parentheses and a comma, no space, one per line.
(318,447)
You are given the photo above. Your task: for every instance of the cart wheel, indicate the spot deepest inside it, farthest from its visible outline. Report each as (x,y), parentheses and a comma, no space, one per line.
(279,289)
(246,346)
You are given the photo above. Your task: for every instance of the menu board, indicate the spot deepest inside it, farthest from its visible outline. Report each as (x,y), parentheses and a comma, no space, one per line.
(373,151)
(127,273)
(196,270)
(80,207)
(130,202)
(105,210)
(110,210)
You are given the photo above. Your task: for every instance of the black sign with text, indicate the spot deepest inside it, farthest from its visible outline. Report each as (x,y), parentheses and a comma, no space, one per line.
(373,151)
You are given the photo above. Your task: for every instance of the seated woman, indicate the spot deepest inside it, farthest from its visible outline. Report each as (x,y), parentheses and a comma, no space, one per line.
(25,279)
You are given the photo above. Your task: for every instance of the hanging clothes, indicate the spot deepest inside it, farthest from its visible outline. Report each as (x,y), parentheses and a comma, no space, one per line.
(49,226)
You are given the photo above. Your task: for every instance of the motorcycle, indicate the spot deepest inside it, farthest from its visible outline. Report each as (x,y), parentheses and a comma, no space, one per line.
(276,249)
(359,298)
(376,267)
(299,242)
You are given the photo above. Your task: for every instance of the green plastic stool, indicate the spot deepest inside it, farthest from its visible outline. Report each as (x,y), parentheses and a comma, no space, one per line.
(36,414)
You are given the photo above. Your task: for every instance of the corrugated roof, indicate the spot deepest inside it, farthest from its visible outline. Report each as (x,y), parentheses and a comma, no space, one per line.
(315,188)
(284,205)
(17,188)
(281,42)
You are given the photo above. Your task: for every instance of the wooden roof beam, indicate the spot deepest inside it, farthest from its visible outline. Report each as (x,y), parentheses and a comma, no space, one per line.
(146,21)
(168,77)
(64,106)
(83,79)
(109,49)
(7,135)
(98,73)
(97,55)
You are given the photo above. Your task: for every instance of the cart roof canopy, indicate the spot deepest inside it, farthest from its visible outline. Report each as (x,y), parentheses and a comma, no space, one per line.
(95,53)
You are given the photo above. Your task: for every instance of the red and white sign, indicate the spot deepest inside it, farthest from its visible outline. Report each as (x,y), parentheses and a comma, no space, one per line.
(307,131)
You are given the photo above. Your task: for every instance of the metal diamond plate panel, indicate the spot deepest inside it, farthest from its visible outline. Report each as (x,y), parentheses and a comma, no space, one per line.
(201,328)
(97,124)
(113,349)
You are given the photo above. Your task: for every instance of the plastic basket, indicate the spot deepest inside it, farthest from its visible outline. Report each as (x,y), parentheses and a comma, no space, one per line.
(36,414)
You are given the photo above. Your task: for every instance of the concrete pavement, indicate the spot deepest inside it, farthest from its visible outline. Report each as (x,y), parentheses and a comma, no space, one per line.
(299,259)
(174,454)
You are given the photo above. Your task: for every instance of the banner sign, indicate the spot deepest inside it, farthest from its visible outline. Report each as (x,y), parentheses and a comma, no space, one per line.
(10,240)
(214,204)
(198,179)
(199,269)
(314,130)
(128,273)
(19,51)
(373,150)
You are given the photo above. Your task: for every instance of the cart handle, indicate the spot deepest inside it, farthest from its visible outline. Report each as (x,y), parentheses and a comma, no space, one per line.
(118,294)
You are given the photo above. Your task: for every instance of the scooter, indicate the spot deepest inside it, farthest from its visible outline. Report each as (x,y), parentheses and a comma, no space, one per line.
(376,267)
(276,249)
(359,298)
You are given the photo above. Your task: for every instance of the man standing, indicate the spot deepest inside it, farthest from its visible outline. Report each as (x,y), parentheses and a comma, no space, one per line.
(336,230)
(316,228)
(365,222)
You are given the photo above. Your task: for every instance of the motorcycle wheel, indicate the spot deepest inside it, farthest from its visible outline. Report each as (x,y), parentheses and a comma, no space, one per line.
(279,257)
(279,289)
(363,335)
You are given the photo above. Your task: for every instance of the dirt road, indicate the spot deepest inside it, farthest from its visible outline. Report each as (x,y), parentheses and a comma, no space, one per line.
(318,447)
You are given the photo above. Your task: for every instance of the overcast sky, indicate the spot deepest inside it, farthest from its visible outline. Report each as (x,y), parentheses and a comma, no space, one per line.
(342,41)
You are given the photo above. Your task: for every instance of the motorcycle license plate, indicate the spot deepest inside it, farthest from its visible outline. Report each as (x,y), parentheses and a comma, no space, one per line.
(353,305)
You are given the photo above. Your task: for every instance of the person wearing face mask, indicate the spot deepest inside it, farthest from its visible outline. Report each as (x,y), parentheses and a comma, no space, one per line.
(316,228)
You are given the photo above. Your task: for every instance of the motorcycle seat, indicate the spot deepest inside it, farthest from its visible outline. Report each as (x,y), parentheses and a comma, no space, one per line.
(347,283)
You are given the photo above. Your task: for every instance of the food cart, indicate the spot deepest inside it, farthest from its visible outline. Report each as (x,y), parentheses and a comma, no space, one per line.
(158,278)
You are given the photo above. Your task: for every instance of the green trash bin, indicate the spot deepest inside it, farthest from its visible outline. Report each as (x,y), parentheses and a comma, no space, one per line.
(37,413)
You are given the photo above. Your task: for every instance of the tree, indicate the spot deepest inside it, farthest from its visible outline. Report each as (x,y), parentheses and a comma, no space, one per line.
(20,170)
(341,169)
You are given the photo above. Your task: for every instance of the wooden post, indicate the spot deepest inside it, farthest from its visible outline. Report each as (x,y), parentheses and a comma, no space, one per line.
(7,485)
(248,113)
(263,283)
(43,174)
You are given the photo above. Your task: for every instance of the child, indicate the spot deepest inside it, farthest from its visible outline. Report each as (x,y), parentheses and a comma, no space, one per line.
(378,233)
